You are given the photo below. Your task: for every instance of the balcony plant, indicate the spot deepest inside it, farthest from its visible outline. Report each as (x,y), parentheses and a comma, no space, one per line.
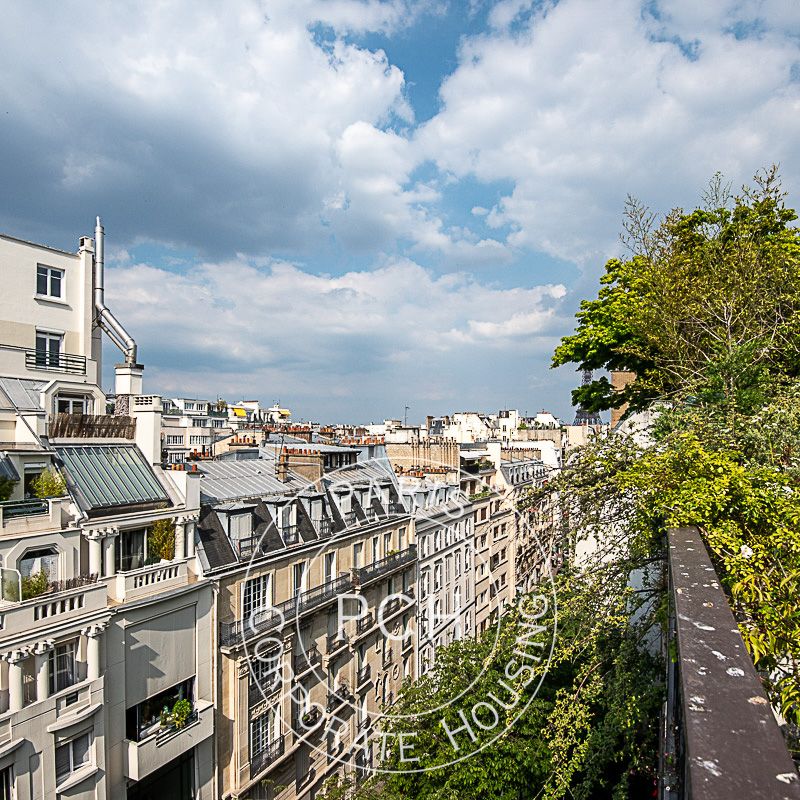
(161,541)
(6,488)
(180,713)
(48,483)
(34,585)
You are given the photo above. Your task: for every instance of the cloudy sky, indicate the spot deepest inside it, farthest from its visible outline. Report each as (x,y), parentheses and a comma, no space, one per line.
(356,205)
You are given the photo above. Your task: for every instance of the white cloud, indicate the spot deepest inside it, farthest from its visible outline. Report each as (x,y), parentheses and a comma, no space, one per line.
(580,102)
(234,327)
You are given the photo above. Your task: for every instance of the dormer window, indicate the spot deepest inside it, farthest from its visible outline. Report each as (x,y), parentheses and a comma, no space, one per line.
(240,526)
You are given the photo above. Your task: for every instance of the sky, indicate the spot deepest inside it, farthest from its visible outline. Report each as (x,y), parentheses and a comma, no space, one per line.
(352,206)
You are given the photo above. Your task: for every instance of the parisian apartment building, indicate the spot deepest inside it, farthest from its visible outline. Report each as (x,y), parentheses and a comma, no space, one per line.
(203,600)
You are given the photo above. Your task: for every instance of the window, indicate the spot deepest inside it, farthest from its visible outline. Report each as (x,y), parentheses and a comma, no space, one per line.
(171,439)
(48,348)
(375,548)
(437,577)
(63,666)
(72,404)
(387,543)
(357,548)
(300,570)
(257,594)
(189,406)
(49,281)
(6,783)
(330,566)
(42,560)
(199,440)
(72,755)
(240,525)
(131,549)
(144,719)
(261,732)
(198,423)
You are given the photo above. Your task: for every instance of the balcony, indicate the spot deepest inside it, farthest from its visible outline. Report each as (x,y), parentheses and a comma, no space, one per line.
(387,658)
(338,697)
(307,722)
(387,565)
(335,642)
(81,595)
(92,426)
(42,361)
(261,760)
(234,633)
(18,517)
(147,581)
(322,526)
(364,674)
(364,624)
(290,534)
(397,508)
(306,660)
(145,757)
(720,739)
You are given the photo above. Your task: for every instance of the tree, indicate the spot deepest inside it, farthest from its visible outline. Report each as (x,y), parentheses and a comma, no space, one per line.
(6,488)
(48,483)
(161,540)
(707,305)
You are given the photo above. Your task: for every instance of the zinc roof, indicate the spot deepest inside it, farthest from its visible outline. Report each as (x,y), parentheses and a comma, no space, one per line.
(21,393)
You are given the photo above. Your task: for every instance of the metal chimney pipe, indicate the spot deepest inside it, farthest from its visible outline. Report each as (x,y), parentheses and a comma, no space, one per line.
(105,319)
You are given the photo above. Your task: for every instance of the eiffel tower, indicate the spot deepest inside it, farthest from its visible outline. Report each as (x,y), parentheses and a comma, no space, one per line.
(582,416)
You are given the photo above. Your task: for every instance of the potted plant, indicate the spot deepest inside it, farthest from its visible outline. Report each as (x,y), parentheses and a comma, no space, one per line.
(180,713)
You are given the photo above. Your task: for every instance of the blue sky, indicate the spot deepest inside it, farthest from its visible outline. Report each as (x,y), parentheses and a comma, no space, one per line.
(354,205)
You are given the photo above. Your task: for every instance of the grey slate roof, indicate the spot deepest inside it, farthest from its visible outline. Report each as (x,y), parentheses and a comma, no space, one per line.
(107,476)
(232,480)
(7,469)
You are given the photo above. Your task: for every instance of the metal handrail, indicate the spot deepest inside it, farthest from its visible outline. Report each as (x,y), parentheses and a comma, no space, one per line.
(61,362)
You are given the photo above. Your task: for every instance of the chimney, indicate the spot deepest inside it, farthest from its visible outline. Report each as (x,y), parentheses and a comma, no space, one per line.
(282,469)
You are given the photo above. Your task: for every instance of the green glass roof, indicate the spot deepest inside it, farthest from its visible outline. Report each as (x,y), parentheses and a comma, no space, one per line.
(109,475)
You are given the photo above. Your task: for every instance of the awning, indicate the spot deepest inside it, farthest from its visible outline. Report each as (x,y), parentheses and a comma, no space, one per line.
(239,412)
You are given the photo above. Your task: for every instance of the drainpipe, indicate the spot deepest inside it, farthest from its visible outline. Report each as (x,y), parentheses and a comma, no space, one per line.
(105,319)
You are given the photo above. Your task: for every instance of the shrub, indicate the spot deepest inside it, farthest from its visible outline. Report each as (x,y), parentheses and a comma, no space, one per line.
(49,484)
(34,585)
(180,712)
(161,541)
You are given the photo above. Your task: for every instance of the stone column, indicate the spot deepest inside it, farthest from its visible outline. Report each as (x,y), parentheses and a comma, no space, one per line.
(190,527)
(41,651)
(180,538)
(95,552)
(93,634)
(109,546)
(15,688)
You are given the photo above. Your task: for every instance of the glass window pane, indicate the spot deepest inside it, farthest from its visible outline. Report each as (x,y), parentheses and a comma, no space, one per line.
(80,751)
(55,283)
(41,280)
(62,762)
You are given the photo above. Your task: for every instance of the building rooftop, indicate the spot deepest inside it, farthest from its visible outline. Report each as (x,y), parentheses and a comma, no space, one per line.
(232,480)
(108,476)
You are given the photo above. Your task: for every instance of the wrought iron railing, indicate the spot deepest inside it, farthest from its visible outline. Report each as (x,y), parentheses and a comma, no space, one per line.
(388,564)
(232,633)
(263,758)
(306,659)
(364,674)
(11,509)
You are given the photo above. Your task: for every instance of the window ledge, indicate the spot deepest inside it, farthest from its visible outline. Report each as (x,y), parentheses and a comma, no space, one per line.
(45,298)
(84,773)
(74,717)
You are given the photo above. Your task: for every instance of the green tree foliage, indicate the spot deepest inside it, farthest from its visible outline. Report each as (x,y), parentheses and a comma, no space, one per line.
(34,585)
(49,483)
(161,540)
(6,488)
(706,305)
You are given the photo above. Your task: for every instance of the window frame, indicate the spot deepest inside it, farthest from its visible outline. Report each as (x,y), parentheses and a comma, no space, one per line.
(48,273)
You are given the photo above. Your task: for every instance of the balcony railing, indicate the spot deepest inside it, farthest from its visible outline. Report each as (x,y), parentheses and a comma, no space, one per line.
(720,739)
(397,508)
(338,697)
(323,526)
(251,546)
(55,362)
(306,659)
(305,723)
(232,633)
(12,509)
(262,759)
(350,518)
(387,565)
(364,675)
(335,641)
(364,624)
(387,658)
(290,534)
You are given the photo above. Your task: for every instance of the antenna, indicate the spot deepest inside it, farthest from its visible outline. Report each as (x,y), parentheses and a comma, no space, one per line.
(405,417)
